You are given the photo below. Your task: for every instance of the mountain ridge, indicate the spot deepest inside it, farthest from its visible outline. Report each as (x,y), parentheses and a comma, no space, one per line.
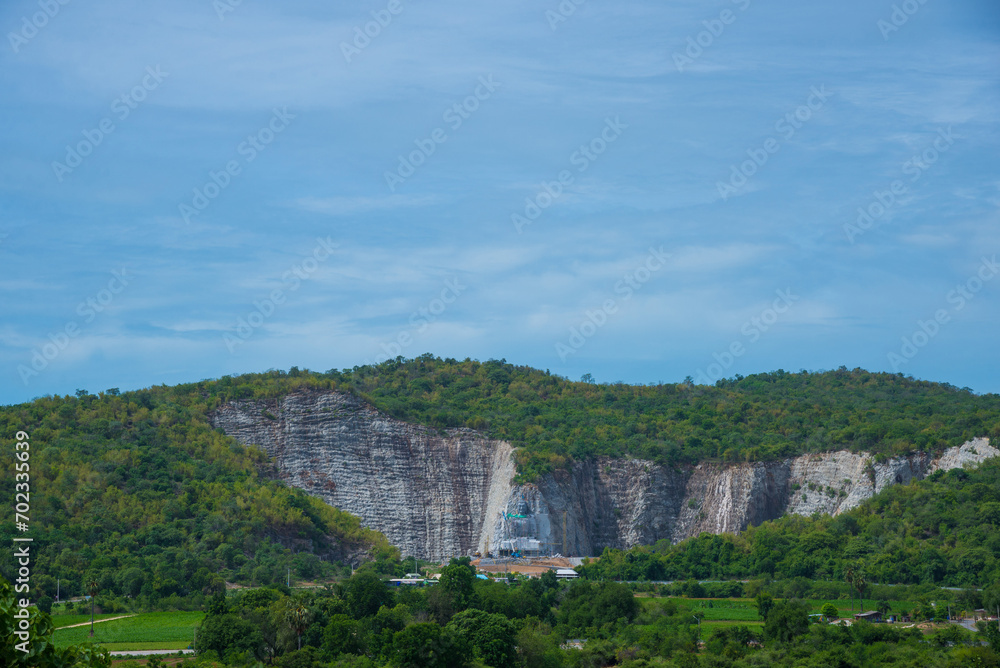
(438,493)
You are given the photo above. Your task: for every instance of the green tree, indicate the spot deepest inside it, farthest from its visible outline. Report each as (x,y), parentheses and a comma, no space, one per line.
(37,639)
(830,611)
(492,637)
(764,603)
(850,577)
(230,634)
(427,645)
(92,589)
(537,647)
(366,593)
(298,620)
(458,578)
(786,621)
(343,635)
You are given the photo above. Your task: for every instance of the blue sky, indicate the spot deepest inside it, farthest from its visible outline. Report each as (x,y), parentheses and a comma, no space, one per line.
(640,191)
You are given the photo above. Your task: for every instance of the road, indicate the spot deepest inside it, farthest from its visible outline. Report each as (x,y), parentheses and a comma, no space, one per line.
(151,652)
(96,621)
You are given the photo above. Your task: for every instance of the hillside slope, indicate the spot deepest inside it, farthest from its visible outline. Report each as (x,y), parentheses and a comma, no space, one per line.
(941,530)
(439,494)
(140,494)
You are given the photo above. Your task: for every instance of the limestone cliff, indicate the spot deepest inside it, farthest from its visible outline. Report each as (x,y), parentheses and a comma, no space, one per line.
(438,494)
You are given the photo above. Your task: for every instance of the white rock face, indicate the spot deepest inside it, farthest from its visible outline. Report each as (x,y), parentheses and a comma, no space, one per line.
(440,494)
(426,491)
(973,452)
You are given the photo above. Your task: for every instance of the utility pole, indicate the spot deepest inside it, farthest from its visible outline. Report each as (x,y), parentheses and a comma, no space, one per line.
(57,590)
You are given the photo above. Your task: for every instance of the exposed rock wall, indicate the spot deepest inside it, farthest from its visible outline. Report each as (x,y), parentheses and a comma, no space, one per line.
(439,494)
(427,492)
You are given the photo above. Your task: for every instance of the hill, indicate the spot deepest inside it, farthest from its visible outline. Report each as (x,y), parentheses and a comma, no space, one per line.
(553,420)
(941,530)
(139,493)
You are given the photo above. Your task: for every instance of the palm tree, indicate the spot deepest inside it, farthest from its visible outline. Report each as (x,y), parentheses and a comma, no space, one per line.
(883,607)
(861,583)
(850,576)
(298,619)
(92,590)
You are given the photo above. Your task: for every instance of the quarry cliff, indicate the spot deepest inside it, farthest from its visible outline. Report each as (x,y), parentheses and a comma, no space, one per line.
(437,494)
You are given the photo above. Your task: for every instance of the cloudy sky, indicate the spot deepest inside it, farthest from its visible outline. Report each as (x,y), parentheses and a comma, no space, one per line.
(642,191)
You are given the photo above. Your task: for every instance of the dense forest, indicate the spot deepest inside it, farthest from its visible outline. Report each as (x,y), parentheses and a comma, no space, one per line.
(141,496)
(944,530)
(554,421)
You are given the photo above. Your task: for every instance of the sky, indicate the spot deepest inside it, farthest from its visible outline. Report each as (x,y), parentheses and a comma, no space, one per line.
(640,191)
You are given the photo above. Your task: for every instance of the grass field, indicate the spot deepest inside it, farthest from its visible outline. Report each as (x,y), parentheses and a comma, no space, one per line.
(68,620)
(152,630)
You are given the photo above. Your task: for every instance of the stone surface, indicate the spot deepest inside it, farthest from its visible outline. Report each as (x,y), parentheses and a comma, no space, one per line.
(439,494)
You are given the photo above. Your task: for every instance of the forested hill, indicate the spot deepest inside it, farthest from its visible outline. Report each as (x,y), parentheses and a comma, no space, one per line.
(139,493)
(757,418)
(942,530)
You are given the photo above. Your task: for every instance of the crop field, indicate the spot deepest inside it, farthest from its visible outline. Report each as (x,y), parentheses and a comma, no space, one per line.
(723,613)
(153,630)
(61,621)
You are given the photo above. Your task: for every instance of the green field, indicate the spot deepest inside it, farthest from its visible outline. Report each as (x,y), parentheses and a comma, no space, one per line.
(68,620)
(153,630)
(722,613)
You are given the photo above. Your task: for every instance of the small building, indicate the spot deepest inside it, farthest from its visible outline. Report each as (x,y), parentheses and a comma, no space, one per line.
(566,574)
(408,582)
(873,616)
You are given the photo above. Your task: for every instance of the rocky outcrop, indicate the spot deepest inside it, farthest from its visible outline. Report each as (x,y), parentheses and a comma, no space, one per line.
(438,494)
(428,492)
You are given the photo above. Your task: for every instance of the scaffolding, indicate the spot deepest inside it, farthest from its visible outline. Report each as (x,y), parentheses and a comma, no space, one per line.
(520,533)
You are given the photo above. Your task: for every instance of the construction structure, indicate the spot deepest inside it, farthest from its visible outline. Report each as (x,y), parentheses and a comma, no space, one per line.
(519,533)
